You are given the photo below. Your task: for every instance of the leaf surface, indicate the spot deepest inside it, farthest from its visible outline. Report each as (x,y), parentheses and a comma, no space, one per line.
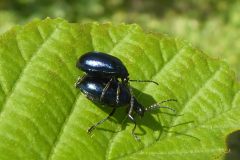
(43,116)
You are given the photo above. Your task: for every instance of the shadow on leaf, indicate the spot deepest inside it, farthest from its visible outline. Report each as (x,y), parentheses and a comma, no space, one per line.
(148,120)
(233,146)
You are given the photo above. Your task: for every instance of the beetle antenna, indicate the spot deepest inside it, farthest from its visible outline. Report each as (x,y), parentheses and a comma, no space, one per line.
(134,80)
(157,106)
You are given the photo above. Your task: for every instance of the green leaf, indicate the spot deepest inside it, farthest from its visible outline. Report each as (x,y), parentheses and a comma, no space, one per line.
(43,116)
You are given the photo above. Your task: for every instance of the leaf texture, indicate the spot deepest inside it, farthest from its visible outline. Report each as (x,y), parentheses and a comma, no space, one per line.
(43,116)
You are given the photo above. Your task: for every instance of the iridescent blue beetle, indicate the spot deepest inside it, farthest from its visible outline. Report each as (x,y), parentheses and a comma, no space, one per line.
(102,65)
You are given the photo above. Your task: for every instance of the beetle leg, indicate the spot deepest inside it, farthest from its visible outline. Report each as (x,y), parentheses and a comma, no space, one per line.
(80,79)
(105,89)
(131,101)
(100,122)
(118,92)
(135,124)
(130,114)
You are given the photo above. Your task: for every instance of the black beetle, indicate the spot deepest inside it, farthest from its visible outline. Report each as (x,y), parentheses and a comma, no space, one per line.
(102,65)
(93,87)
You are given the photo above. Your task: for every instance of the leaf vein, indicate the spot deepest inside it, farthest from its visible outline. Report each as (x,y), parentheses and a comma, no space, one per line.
(23,70)
(195,94)
(61,131)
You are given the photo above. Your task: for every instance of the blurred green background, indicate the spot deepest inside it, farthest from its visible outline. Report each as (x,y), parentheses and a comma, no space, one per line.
(211,25)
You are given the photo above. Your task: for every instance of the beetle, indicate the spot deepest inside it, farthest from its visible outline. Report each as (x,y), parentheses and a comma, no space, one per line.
(93,87)
(102,65)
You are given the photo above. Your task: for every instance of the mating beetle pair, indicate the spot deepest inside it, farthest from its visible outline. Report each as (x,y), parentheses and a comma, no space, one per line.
(101,84)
